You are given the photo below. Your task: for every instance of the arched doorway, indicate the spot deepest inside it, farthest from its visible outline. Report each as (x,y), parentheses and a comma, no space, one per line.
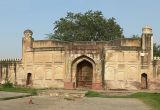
(29,79)
(144,83)
(84,74)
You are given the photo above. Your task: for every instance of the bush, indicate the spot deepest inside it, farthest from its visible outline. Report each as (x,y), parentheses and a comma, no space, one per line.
(7,85)
(93,94)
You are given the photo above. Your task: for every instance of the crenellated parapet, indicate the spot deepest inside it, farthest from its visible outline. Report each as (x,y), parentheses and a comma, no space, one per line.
(156,58)
(10,60)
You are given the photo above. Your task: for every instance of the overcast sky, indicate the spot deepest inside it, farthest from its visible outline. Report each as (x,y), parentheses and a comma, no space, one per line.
(39,16)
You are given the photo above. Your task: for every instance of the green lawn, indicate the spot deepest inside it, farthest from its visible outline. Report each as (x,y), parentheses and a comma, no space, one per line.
(151,99)
(19,89)
(10,88)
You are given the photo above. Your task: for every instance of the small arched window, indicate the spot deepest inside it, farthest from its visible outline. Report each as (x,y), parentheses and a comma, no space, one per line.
(29,79)
(144,83)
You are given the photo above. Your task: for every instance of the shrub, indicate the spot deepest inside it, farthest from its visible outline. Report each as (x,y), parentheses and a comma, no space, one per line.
(7,85)
(93,94)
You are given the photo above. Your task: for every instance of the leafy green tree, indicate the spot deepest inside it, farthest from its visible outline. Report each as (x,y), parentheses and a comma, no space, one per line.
(135,36)
(90,26)
(156,49)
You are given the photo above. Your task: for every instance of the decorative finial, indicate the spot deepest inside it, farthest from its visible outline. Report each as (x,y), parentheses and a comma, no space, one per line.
(147,30)
(28,33)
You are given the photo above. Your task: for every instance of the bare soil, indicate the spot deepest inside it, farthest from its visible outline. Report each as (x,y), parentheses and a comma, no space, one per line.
(59,103)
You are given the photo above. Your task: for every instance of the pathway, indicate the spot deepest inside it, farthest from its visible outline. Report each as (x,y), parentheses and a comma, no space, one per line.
(55,103)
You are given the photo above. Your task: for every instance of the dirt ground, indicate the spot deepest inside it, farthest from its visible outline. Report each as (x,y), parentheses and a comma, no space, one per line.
(11,94)
(54,103)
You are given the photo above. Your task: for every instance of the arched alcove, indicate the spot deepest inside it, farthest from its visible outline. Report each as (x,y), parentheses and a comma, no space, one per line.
(84,74)
(29,79)
(83,65)
(144,82)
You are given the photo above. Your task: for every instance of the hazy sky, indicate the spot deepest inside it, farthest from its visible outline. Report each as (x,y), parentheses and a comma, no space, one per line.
(39,16)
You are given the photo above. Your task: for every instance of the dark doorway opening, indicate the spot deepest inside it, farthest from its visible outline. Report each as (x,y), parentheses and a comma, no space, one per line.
(84,75)
(29,79)
(144,83)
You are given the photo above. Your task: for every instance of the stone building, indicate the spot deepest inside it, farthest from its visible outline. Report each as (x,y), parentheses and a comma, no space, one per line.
(117,64)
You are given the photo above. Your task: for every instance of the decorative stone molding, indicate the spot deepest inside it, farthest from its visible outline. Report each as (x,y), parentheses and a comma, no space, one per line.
(10,59)
(156,58)
(28,33)
(142,54)
(147,30)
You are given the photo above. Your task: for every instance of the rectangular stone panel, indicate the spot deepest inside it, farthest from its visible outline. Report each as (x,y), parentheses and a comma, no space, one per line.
(42,58)
(59,72)
(111,56)
(29,58)
(49,74)
(115,56)
(131,56)
(109,73)
(119,75)
(58,57)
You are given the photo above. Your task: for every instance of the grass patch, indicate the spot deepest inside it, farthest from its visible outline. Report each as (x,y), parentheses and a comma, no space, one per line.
(93,94)
(8,88)
(31,91)
(7,85)
(151,99)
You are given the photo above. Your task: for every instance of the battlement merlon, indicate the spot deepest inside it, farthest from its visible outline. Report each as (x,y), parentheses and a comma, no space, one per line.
(10,60)
(156,58)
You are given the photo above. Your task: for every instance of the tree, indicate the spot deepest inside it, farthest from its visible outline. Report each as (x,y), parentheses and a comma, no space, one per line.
(135,36)
(90,26)
(156,49)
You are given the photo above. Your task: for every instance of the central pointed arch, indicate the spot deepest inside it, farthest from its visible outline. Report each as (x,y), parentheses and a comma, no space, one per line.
(84,74)
(83,71)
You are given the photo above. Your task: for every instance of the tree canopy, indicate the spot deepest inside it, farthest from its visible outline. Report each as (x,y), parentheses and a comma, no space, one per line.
(135,36)
(156,49)
(88,26)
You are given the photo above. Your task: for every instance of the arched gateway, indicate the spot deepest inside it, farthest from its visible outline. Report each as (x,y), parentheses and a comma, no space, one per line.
(84,75)
(83,70)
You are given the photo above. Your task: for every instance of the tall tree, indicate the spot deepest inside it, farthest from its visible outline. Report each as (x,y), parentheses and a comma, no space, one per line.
(156,49)
(135,36)
(90,26)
